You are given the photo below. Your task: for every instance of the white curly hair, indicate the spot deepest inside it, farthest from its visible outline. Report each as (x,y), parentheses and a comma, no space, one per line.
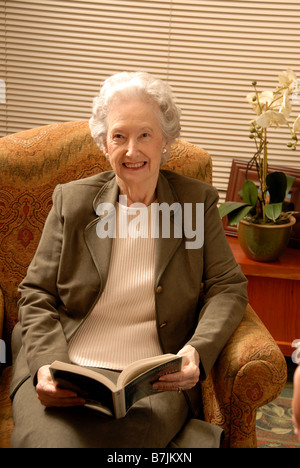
(140,84)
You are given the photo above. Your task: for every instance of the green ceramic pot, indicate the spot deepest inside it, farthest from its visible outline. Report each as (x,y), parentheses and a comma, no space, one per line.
(264,243)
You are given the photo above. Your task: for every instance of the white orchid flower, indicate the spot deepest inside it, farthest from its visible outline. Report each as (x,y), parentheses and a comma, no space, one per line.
(252,100)
(266,98)
(287,78)
(260,101)
(296,126)
(271,117)
(285,105)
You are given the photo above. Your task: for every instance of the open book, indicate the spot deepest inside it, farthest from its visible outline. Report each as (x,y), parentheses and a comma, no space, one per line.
(115,398)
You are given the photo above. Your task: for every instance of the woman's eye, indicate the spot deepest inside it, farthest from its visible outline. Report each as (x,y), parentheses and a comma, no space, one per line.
(118,136)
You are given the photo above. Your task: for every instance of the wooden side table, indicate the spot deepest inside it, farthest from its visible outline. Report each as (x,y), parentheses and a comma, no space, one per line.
(274,293)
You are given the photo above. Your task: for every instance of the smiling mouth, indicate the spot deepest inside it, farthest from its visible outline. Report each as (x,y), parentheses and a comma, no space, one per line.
(134,165)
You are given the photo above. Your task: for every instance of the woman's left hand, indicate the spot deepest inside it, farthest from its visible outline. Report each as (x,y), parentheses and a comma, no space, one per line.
(187,378)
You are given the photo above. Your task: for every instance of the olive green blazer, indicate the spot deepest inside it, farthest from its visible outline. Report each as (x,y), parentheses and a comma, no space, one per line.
(70,268)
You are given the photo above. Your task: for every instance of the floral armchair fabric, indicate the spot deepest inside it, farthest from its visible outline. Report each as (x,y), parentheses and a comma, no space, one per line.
(251,370)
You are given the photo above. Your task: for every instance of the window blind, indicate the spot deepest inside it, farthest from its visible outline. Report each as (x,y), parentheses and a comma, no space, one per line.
(55,54)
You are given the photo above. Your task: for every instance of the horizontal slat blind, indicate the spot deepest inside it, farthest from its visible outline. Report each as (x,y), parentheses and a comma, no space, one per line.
(217,50)
(56,54)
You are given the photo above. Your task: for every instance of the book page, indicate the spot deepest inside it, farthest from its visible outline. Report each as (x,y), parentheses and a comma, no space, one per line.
(142,385)
(59,368)
(139,367)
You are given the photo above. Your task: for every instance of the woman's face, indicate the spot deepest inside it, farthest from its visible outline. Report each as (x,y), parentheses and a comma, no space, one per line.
(135,142)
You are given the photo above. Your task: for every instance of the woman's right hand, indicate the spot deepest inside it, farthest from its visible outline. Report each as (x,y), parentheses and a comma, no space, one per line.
(52,396)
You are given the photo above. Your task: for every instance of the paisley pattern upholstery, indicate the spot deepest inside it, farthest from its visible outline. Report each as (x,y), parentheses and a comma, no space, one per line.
(250,371)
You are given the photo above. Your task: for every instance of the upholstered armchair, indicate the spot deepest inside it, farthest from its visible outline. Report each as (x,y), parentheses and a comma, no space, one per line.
(251,370)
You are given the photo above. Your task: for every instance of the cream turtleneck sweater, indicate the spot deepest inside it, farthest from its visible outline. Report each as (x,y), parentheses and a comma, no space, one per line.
(122,327)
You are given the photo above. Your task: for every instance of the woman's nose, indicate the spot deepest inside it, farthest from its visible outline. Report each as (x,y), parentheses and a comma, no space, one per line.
(132,148)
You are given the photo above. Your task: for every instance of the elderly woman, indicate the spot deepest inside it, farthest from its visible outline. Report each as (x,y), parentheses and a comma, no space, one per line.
(106,301)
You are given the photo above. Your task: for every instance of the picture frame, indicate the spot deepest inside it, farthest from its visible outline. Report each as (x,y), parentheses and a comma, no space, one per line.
(236,181)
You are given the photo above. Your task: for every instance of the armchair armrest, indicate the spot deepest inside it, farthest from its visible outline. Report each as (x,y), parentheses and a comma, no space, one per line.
(250,372)
(2,344)
(1,312)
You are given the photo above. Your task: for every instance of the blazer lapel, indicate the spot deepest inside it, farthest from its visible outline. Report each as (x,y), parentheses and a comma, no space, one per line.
(167,246)
(100,246)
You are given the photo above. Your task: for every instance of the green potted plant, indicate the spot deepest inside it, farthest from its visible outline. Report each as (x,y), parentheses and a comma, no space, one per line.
(264,224)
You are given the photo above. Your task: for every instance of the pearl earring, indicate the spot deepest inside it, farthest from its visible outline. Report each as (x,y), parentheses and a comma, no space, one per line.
(164,150)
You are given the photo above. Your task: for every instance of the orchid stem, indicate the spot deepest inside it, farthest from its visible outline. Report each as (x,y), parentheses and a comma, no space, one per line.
(265,171)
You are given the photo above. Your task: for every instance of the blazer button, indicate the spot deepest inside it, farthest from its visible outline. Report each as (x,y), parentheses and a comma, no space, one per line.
(162,325)
(159,289)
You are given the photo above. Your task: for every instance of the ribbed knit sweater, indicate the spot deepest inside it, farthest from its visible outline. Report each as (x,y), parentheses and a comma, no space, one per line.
(122,327)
